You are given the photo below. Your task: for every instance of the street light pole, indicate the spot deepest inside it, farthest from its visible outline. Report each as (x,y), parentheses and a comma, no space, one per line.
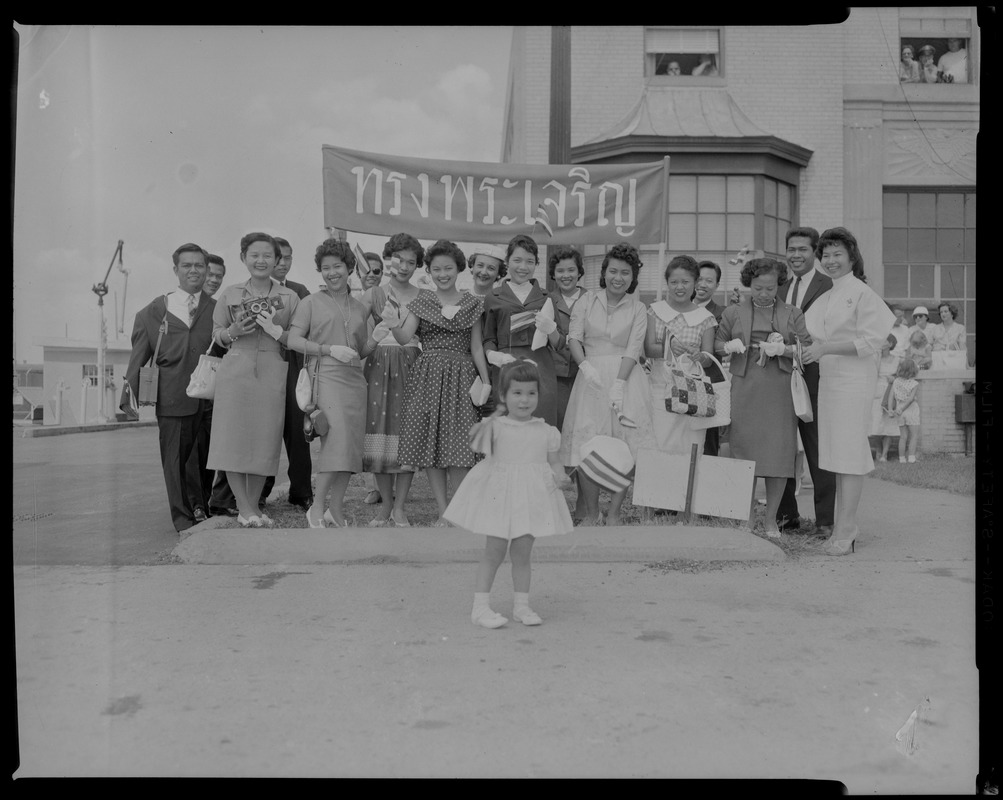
(101,289)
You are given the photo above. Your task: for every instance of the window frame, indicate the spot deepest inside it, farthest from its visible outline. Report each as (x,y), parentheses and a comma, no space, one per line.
(650,59)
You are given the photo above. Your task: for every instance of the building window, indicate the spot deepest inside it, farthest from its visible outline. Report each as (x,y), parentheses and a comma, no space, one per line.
(934,48)
(90,374)
(712,218)
(679,52)
(929,252)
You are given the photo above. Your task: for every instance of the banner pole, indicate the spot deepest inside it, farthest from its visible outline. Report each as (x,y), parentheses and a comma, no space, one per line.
(665,222)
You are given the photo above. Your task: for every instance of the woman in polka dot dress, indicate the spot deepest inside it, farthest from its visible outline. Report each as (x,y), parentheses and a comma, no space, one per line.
(386,372)
(438,408)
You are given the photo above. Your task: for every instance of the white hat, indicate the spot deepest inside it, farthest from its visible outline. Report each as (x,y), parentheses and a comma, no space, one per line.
(492,250)
(608,462)
(920,310)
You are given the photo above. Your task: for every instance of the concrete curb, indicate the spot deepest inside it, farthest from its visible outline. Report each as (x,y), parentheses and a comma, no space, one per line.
(209,544)
(36,431)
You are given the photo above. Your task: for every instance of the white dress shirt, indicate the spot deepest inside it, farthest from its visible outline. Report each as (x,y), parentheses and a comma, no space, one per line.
(177,304)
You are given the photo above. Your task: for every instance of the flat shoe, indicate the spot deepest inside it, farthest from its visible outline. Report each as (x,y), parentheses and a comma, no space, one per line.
(253,521)
(772,534)
(310,522)
(265,519)
(378,523)
(489,619)
(527,617)
(330,520)
(440,523)
(373,498)
(398,523)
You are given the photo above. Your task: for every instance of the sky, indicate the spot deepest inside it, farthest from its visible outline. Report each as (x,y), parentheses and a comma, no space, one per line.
(161,135)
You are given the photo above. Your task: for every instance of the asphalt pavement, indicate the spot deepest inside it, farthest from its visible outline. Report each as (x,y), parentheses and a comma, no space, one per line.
(681,652)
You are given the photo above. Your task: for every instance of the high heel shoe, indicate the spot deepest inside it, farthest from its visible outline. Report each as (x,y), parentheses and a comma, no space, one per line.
(841,547)
(310,522)
(330,520)
(251,522)
(399,523)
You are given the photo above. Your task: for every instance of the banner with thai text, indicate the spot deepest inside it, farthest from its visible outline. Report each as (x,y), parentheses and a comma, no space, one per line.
(473,201)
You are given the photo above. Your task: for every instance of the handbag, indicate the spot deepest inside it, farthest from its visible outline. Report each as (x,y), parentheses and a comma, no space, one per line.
(203,381)
(149,376)
(799,389)
(722,401)
(315,421)
(689,393)
(304,391)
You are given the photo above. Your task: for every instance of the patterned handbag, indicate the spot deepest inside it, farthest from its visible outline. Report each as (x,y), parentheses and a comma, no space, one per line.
(688,391)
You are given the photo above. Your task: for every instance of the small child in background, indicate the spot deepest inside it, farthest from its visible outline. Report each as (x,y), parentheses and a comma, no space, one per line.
(904,388)
(920,350)
(884,424)
(514,495)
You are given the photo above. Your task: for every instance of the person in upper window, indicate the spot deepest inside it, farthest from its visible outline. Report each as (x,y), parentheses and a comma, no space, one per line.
(927,69)
(953,65)
(673,68)
(909,66)
(707,66)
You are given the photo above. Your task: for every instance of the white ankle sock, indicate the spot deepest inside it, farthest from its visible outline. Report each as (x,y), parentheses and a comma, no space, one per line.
(521,601)
(482,601)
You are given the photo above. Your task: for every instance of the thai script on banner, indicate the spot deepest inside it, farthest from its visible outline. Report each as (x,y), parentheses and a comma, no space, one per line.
(478,201)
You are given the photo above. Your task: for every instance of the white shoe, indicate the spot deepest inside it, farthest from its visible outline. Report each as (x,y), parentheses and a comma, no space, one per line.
(912,459)
(487,618)
(526,616)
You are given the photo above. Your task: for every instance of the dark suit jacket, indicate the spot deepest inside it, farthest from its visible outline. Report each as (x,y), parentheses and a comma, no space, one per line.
(736,323)
(818,285)
(499,306)
(177,358)
(294,359)
(715,309)
(564,365)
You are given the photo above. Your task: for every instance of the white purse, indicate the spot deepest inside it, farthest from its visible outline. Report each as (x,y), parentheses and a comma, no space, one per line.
(304,389)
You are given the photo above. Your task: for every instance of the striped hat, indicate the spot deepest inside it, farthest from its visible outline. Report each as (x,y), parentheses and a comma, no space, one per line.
(608,462)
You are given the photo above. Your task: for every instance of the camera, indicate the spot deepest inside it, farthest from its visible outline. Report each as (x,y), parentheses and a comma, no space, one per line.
(255,305)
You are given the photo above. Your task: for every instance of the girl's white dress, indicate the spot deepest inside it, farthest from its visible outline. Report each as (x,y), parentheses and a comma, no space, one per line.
(512,492)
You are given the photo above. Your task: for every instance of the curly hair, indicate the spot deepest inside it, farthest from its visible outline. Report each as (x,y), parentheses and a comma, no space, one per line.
(622,251)
(763,266)
(841,236)
(258,236)
(444,247)
(404,241)
(337,248)
(687,263)
(526,243)
(950,307)
(563,253)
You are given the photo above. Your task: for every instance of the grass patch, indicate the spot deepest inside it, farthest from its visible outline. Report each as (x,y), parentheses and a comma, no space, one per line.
(950,473)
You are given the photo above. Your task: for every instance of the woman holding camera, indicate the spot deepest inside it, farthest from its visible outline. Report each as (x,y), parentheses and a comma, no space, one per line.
(330,329)
(249,408)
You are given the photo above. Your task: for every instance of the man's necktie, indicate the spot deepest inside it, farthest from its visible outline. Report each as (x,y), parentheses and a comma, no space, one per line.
(794,297)
(191,309)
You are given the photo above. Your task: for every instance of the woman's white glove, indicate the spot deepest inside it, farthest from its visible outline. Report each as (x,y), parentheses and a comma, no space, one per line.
(498,359)
(773,349)
(264,319)
(342,353)
(734,346)
(391,315)
(616,393)
(591,374)
(380,332)
(545,324)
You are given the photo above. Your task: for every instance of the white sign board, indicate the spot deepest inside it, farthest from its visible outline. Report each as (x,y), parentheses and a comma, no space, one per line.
(722,487)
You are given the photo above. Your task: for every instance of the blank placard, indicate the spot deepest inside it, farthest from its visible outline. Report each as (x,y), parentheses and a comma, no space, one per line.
(722,487)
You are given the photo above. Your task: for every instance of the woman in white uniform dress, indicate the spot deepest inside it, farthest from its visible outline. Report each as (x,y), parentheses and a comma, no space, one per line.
(848,325)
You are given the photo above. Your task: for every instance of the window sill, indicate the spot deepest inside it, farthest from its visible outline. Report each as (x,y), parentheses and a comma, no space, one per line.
(685,81)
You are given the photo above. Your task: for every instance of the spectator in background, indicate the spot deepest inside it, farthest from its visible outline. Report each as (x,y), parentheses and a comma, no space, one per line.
(214,278)
(707,66)
(953,65)
(920,350)
(707,283)
(673,68)
(948,334)
(920,319)
(928,70)
(297,448)
(900,331)
(199,479)
(908,66)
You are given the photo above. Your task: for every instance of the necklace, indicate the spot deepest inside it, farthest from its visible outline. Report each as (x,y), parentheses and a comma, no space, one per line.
(772,303)
(346,311)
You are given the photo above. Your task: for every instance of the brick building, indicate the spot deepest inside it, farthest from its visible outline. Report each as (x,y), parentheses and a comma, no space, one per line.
(782,126)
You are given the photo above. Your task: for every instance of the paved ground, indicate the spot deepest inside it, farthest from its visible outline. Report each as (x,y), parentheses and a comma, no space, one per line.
(351,653)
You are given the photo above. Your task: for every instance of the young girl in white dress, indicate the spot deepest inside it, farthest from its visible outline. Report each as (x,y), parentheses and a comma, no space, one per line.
(514,495)
(906,413)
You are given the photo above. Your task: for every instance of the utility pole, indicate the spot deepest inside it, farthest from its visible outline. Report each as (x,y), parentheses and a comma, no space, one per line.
(560,103)
(101,289)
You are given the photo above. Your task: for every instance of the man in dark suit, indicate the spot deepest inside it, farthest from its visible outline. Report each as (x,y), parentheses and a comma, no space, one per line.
(182,323)
(710,277)
(297,447)
(803,286)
